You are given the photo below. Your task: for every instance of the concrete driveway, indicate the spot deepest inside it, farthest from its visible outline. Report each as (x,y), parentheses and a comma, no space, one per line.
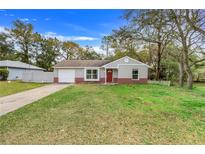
(18,100)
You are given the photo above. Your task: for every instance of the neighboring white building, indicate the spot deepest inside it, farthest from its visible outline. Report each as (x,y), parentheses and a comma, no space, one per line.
(17,68)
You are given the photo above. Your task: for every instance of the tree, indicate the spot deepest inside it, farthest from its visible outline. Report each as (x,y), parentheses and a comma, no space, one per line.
(70,50)
(175,54)
(7,51)
(22,34)
(36,46)
(189,40)
(106,44)
(151,26)
(88,53)
(50,50)
(196,19)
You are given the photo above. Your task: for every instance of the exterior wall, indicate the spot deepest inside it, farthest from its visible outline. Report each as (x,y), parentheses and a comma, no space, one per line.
(102,73)
(79,75)
(114,75)
(55,72)
(125,71)
(16,73)
(55,79)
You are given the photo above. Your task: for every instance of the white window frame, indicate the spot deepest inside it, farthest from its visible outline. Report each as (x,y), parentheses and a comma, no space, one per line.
(138,74)
(91,68)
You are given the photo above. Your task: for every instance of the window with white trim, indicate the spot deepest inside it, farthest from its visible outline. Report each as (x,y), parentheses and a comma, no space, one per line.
(91,74)
(135,74)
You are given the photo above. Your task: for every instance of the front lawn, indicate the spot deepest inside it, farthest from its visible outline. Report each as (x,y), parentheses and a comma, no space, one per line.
(7,88)
(118,114)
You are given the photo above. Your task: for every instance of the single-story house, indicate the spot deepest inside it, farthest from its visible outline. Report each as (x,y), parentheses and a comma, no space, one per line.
(17,68)
(123,70)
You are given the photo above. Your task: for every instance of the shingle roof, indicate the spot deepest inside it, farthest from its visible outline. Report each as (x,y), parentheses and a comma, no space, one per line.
(18,64)
(82,63)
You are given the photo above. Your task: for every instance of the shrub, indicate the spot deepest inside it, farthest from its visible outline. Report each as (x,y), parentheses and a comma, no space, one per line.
(4,74)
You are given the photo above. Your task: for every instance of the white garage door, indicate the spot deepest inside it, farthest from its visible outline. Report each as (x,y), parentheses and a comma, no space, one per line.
(66,75)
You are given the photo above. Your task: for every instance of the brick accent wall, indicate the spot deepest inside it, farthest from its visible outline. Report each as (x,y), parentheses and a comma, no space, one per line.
(115,80)
(127,80)
(81,80)
(55,79)
(102,80)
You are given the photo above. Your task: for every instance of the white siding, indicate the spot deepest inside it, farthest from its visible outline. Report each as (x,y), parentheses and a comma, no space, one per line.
(79,72)
(125,71)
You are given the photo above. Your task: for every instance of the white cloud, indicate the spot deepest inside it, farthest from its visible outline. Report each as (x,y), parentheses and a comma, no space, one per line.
(24,19)
(98,49)
(104,34)
(2,29)
(69,38)
(101,51)
(11,15)
(34,19)
(47,19)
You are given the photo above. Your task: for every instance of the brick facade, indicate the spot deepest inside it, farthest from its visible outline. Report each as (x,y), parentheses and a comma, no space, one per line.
(81,80)
(115,80)
(55,79)
(102,80)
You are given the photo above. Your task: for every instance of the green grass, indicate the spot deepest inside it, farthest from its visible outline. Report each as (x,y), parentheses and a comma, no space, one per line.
(118,114)
(13,87)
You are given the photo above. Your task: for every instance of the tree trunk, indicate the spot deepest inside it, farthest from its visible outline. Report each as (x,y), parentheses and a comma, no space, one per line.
(190,80)
(26,56)
(158,61)
(150,55)
(181,71)
(188,70)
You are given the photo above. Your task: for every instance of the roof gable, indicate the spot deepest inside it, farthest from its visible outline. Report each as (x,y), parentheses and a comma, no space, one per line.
(124,61)
(18,64)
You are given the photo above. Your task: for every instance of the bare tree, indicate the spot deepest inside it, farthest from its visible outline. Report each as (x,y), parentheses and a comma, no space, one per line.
(196,19)
(189,40)
(151,26)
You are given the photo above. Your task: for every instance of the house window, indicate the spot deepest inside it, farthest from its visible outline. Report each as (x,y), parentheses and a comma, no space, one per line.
(135,74)
(91,74)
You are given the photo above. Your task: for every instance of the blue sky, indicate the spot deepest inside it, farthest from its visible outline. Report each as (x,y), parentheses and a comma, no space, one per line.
(85,27)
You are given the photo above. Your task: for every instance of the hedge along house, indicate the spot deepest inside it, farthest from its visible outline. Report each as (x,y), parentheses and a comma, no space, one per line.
(123,70)
(17,68)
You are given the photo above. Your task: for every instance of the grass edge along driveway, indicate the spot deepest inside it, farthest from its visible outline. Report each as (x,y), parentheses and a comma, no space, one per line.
(8,88)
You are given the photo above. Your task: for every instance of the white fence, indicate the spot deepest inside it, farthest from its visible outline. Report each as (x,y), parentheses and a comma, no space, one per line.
(42,77)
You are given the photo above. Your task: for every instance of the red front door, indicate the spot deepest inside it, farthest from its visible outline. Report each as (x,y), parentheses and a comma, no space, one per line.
(109,75)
